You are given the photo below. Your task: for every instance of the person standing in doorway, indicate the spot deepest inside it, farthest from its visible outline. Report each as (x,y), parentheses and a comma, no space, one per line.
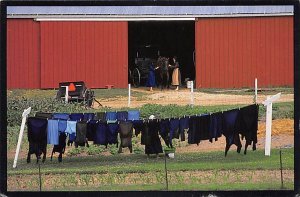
(151,77)
(176,77)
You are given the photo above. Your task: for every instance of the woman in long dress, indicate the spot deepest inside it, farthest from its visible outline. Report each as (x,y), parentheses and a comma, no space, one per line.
(151,77)
(176,77)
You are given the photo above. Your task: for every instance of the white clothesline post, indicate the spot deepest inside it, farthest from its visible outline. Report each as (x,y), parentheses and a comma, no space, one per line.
(255,96)
(66,94)
(129,94)
(192,93)
(269,103)
(24,117)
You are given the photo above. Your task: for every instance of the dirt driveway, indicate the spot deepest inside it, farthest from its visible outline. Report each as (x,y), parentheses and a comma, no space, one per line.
(183,97)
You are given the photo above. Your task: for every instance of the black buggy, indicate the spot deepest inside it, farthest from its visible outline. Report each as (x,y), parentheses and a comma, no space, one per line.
(139,67)
(80,94)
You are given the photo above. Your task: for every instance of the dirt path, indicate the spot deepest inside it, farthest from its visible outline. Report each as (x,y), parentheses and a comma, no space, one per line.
(182,97)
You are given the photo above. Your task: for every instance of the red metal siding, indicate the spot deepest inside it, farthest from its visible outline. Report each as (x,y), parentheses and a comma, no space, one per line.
(23,53)
(94,52)
(232,52)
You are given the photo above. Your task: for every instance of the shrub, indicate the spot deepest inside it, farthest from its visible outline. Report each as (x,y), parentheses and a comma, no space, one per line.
(16,105)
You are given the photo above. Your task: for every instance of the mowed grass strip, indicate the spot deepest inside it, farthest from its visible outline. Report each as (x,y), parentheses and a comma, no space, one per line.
(254,160)
(180,180)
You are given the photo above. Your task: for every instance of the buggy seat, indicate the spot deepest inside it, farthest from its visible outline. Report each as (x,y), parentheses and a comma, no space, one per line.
(77,95)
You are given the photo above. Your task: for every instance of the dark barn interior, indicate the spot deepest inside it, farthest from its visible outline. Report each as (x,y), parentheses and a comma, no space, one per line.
(172,38)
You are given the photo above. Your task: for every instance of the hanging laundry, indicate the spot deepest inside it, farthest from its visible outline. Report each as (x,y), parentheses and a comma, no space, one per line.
(88,116)
(216,121)
(60,148)
(138,126)
(152,141)
(43,115)
(249,125)
(100,116)
(91,130)
(62,125)
(203,123)
(133,115)
(76,116)
(126,131)
(230,129)
(100,135)
(81,130)
(62,116)
(111,116)
(193,135)
(174,129)
(71,130)
(183,127)
(112,133)
(164,131)
(37,137)
(52,132)
(122,115)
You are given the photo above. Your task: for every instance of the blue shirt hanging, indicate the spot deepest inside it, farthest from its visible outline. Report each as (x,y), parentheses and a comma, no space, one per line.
(133,115)
(52,135)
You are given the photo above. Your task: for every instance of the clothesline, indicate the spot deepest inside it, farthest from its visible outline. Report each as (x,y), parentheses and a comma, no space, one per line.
(99,128)
(137,117)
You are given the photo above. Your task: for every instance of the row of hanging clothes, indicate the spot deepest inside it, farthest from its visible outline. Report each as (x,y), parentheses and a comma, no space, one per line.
(103,128)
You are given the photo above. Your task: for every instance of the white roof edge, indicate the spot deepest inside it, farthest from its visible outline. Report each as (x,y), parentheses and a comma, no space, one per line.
(135,17)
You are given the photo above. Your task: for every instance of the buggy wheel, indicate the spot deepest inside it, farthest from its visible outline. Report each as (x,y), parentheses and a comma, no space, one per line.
(136,77)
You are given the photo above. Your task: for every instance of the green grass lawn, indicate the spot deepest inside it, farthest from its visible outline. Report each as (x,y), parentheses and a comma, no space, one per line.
(248,91)
(187,171)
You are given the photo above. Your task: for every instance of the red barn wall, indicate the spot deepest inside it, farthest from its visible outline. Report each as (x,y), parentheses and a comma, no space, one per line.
(94,52)
(232,52)
(23,54)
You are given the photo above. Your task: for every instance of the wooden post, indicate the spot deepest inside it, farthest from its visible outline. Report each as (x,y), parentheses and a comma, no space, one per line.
(192,93)
(24,117)
(269,103)
(129,94)
(67,94)
(255,96)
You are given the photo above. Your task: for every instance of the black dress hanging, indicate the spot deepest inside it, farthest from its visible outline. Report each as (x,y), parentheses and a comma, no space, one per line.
(151,138)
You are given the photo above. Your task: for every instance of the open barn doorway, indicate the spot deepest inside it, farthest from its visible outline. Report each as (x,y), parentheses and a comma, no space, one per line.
(148,39)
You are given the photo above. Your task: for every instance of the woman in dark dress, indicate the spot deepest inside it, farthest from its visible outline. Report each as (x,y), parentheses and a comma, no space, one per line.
(151,77)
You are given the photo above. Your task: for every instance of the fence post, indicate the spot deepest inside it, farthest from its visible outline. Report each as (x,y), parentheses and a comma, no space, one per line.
(24,116)
(40,177)
(192,93)
(67,94)
(269,103)
(255,96)
(129,94)
(166,172)
(281,169)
